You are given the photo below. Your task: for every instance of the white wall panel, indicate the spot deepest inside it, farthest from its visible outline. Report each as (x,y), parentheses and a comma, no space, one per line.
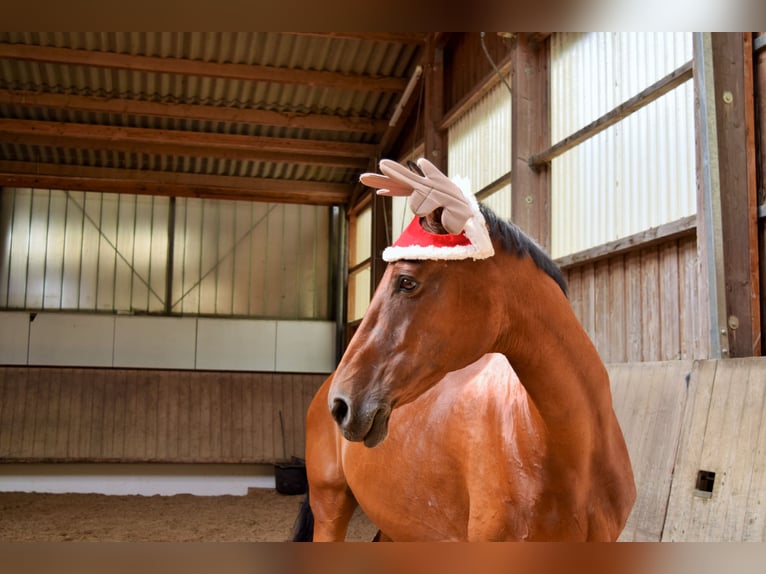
(236,345)
(155,342)
(637,174)
(14,336)
(80,340)
(69,339)
(305,347)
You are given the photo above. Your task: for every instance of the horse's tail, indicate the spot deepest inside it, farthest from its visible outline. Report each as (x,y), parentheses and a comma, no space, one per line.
(303,530)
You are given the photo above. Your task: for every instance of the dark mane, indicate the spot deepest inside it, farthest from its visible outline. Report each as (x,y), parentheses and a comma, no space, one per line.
(514,240)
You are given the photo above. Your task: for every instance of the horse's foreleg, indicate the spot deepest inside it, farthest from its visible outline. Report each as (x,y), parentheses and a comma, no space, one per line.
(332,503)
(332,508)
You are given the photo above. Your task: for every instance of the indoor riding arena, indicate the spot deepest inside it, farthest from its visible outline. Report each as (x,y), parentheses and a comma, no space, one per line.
(186,251)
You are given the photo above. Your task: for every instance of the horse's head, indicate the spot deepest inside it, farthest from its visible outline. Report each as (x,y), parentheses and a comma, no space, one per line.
(427,318)
(429,315)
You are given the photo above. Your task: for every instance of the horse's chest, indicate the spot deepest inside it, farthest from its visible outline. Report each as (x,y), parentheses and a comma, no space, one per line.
(436,473)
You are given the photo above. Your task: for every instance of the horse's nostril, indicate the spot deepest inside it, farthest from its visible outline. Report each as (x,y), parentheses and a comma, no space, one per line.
(339,410)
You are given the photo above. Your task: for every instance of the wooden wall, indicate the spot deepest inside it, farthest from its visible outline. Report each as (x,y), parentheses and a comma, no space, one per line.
(66,414)
(683,417)
(649,400)
(642,305)
(724,431)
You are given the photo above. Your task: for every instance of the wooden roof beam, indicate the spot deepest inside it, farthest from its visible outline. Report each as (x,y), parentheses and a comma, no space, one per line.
(175,142)
(124,106)
(418,38)
(186,67)
(111,180)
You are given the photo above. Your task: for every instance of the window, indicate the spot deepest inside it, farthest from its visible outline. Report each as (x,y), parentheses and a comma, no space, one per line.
(102,252)
(360,263)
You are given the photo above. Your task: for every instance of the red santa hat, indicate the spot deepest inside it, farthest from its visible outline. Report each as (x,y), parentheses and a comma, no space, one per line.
(467,235)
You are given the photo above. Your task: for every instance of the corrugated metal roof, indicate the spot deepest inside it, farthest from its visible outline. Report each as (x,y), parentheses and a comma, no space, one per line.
(47,71)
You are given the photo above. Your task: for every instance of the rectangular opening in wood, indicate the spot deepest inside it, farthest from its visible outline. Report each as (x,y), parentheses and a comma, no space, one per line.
(704,485)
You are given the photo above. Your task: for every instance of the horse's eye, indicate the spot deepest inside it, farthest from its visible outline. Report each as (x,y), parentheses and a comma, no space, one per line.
(407,284)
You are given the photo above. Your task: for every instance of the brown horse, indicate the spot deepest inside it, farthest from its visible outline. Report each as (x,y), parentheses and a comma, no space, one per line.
(472,454)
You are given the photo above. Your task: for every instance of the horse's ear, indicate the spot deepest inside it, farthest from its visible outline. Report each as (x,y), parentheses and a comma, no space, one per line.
(432,222)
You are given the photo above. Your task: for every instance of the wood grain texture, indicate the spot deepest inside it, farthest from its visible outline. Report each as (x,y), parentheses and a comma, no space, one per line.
(649,401)
(723,432)
(642,305)
(119,415)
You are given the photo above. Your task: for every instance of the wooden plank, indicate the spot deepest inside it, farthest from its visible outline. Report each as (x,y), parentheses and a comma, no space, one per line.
(745,402)
(270,421)
(686,303)
(181,111)
(587,294)
(603,314)
(34,398)
(434,139)
(670,338)
(63,424)
(689,451)
(143,182)
(182,445)
(723,433)
(530,118)
(389,37)
(617,320)
(754,519)
(185,143)
(709,225)
(186,67)
(650,305)
(684,227)
(574,284)
(732,61)
(633,305)
(649,400)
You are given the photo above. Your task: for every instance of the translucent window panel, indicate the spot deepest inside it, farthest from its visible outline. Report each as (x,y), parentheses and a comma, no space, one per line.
(480,147)
(240,258)
(359,293)
(638,173)
(91,251)
(361,240)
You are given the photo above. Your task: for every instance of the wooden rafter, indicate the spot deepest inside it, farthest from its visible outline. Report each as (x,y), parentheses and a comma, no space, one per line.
(144,182)
(186,67)
(175,142)
(392,37)
(191,111)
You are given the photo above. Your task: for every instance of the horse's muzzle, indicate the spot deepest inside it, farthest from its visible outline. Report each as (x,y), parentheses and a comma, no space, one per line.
(368,423)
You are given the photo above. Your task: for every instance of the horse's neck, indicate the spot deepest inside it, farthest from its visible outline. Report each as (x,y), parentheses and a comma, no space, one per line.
(551,352)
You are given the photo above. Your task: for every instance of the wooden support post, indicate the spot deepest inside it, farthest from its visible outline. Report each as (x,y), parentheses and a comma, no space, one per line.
(381,237)
(434,140)
(727,210)
(530,125)
(759,44)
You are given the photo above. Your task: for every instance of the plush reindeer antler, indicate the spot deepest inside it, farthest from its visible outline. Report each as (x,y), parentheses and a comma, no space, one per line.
(429,191)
